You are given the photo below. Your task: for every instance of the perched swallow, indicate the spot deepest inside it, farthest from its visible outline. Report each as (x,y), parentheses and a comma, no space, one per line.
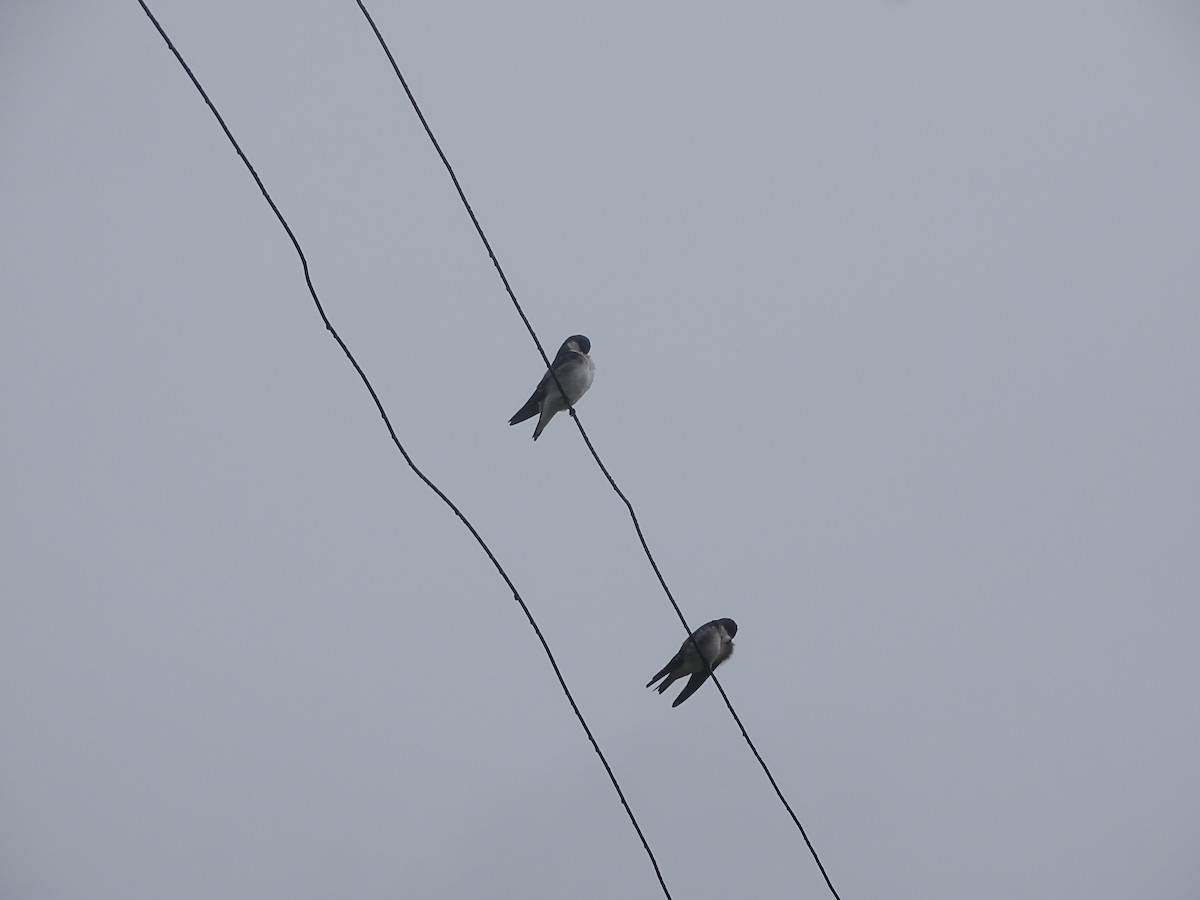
(716,643)
(575,371)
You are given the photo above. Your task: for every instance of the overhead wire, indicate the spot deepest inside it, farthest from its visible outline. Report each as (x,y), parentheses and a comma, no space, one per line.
(399,446)
(587,440)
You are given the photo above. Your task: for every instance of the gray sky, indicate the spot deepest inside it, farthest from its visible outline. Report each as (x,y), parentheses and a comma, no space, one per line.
(894,310)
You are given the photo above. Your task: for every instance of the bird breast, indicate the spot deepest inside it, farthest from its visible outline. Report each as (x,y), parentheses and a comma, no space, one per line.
(577,377)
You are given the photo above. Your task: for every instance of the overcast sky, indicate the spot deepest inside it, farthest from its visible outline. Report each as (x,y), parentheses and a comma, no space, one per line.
(895,317)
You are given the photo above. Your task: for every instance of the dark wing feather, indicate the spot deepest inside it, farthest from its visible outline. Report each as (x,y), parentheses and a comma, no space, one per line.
(693,685)
(532,406)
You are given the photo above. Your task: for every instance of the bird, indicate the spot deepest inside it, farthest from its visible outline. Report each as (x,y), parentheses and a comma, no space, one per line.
(574,370)
(715,640)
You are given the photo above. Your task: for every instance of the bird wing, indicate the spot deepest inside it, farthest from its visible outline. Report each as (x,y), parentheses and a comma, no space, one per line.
(533,405)
(693,685)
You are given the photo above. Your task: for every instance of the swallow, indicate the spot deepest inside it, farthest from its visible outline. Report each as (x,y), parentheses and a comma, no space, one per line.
(574,370)
(715,641)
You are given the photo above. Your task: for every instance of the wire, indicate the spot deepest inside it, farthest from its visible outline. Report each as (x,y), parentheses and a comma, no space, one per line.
(587,440)
(399,446)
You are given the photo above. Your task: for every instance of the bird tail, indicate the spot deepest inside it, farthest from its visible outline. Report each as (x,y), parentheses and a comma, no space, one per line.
(663,672)
(547,414)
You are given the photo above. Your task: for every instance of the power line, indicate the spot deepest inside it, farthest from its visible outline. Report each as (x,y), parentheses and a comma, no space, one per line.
(399,446)
(587,440)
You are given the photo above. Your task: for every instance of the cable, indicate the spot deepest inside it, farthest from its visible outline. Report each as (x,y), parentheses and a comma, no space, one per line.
(596,456)
(399,446)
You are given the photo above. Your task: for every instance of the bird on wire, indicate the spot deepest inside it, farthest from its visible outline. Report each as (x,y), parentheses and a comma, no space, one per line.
(715,640)
(574,371)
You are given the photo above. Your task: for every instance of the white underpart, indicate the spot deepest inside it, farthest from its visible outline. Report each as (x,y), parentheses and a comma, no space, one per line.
(575,381)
